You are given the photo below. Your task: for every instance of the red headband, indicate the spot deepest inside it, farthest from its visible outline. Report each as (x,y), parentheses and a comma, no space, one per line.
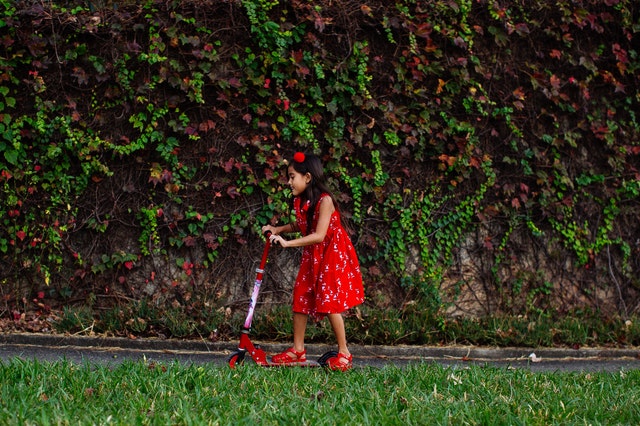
(299,157)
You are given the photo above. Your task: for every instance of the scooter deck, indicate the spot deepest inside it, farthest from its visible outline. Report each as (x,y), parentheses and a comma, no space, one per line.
(307,364)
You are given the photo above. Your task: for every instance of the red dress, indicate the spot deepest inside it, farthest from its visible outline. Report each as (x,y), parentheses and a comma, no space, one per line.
(329,280)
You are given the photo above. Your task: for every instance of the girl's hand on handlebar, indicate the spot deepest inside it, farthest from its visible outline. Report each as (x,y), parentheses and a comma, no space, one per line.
(277,239)
(268,228)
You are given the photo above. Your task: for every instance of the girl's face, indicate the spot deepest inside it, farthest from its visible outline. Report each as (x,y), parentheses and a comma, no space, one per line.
(297,181)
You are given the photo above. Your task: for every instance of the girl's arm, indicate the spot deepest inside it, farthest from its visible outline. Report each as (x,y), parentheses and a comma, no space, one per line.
(324,217)
(276,230)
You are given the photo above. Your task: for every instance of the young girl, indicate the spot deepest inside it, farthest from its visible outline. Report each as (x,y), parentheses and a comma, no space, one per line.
(329,281)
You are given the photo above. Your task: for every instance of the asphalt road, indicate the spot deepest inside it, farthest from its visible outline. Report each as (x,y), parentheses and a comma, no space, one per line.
(80,349)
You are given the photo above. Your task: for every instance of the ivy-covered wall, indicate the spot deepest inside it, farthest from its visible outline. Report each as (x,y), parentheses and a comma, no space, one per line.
(486,152)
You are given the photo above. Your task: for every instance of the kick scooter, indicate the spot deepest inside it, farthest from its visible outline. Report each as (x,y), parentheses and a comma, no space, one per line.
(246,346)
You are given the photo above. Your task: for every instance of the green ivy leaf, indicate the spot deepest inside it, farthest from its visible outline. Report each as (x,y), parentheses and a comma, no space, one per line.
(11,157)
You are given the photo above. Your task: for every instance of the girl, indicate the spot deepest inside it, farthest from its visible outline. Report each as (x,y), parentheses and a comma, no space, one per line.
(329,281)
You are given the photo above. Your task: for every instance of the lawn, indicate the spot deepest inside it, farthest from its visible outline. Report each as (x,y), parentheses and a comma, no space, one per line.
(145,393)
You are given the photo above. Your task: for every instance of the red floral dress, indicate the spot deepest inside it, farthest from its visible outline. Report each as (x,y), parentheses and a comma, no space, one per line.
(329,280)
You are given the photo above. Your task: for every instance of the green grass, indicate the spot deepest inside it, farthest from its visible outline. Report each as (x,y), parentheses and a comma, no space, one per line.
(139,393)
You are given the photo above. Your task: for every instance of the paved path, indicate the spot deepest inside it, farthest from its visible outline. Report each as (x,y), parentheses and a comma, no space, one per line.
(79,349)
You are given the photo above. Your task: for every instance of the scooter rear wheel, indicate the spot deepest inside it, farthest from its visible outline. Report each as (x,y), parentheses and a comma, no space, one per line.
(324,359)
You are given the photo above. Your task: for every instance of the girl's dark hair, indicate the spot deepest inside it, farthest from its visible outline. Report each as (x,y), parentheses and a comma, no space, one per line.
(318,185)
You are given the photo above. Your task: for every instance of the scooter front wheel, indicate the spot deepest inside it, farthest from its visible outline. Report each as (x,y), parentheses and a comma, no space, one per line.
(236,358)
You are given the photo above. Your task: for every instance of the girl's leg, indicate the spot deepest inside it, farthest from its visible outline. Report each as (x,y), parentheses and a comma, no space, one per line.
(337,324)
(299,329)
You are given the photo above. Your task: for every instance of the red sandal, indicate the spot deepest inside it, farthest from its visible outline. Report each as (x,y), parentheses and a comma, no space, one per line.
(290,356)
(341,362)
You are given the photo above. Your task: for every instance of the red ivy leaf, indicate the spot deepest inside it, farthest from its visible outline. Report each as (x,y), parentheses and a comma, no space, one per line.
(319,22)
(316,118)
(635,150)
(167,176)
(205,126)
(365,9)
(211,240)
(189,241)
(234,82)
(621,54)
(519,94)
(522,29)
(431,47)
(297,56)
(474,162)
(423,30)
(447,159)
(80,75)
(228,166)
(232,192)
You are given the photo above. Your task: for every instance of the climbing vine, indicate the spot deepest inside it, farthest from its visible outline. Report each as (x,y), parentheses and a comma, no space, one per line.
(161,132)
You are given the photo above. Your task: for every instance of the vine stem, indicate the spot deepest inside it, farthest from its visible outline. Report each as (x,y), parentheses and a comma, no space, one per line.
(615,280)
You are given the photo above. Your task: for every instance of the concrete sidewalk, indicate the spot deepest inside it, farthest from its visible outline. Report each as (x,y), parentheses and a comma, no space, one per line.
(81,349)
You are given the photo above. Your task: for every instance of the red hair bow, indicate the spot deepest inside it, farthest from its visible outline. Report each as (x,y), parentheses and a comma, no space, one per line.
(299,157)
